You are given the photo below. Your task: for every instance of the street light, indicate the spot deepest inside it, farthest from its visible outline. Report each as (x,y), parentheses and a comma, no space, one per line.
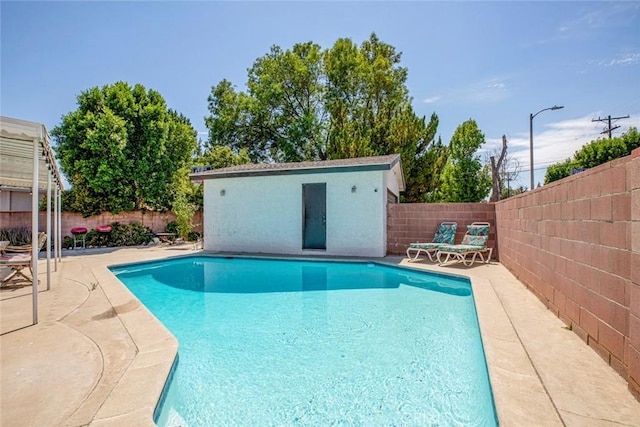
(531,116)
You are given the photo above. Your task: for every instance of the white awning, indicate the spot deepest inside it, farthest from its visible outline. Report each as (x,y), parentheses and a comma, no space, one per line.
(16,154)
(27,162)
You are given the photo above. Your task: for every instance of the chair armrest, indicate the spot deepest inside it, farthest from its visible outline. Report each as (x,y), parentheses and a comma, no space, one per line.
(25,248)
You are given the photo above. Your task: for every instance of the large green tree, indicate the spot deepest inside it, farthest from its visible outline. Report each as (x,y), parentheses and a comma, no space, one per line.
(343,102)
(123,149)
(465,178)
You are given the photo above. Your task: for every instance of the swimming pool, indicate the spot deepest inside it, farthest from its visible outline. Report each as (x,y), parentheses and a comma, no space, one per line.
(283,342)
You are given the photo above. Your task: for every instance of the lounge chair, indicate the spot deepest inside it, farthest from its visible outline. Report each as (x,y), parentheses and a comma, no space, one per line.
(445,235)
(19,257)
(473,245)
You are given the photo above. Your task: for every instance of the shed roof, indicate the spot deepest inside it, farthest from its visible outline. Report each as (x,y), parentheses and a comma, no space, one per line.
(358,164)
(17,154)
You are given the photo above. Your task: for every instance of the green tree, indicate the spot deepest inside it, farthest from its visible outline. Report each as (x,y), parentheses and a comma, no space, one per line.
(230,122)
(288,92)
(122,149)
(344,102)
(595,153)
(464,178)
(371,113)
(220,156)
(559,170)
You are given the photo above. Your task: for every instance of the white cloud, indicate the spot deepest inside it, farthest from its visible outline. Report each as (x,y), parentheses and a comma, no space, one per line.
(628,59)
(481,92)
(555,142)
(594,21)
(432,99)
(610,15)
(487,91)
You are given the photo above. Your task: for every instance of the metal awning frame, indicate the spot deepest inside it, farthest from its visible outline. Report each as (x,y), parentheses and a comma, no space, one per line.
(26,145)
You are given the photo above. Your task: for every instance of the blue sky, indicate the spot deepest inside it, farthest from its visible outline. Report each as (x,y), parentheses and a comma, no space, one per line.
(495,62)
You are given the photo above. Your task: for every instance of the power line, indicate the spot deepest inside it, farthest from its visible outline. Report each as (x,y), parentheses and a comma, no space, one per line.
(609,129)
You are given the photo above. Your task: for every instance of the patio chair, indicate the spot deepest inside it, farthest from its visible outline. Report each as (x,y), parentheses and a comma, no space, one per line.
(17,263)
(445,235)
(42,237)
(473,245)
(19,257)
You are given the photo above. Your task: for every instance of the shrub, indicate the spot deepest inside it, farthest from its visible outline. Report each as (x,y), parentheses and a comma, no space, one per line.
(183,211)
(67,242)
(595,153)
(172,227)
(128,234)
(16,236)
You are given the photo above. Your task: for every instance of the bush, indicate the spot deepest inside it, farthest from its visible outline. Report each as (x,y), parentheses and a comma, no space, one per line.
(172,227)
(133,234)
(128,234)
(595,153)
(16,236)
(559,170)
(67,242)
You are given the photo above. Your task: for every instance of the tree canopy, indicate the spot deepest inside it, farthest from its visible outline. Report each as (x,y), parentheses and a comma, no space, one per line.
(123,149)
(464,178)
(306,103)
(595,153)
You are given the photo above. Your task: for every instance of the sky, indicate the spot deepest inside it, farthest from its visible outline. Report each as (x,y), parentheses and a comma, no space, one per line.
(494,62)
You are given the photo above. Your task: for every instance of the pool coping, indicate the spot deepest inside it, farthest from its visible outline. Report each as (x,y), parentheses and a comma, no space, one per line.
(504,352)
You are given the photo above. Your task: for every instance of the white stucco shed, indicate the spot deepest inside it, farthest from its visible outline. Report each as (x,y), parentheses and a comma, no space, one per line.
(333,207)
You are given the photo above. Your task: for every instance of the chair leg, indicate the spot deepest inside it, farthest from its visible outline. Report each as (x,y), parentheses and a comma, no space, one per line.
(469,262)
(440,262)
(10,276)
(417,254)
(16,271)
(20,273)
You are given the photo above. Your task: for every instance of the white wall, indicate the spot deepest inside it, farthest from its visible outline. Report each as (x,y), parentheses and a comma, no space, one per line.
(5,200)
(16,201)
(264,214)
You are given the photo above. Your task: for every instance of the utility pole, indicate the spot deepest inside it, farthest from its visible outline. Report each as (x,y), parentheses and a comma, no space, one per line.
(608,120)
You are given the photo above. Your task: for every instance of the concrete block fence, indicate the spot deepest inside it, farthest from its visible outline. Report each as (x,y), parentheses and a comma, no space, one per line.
(576,244)
(156,221)
(417,222)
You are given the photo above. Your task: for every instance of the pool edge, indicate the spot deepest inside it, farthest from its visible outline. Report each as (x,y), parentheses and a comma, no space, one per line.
(504,352)
(133,400)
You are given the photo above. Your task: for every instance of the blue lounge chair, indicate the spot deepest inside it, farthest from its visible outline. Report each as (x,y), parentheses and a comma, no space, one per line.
(445,235)
(474,245)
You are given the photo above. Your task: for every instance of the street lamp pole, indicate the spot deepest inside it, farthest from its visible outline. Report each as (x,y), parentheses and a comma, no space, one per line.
(531,116)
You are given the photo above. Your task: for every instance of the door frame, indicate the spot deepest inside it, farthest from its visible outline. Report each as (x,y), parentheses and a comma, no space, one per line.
(322,185)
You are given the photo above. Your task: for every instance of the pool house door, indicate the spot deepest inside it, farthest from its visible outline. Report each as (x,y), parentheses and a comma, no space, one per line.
(314,206)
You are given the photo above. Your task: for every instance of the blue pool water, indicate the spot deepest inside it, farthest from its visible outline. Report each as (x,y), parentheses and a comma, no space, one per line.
(307,343)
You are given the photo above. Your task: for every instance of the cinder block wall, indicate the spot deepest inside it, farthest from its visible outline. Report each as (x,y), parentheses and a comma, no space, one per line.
(576,244)
(412,222)
(156,221)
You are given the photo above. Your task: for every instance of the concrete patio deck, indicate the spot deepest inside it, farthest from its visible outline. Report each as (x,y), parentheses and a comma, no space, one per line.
(98,357)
